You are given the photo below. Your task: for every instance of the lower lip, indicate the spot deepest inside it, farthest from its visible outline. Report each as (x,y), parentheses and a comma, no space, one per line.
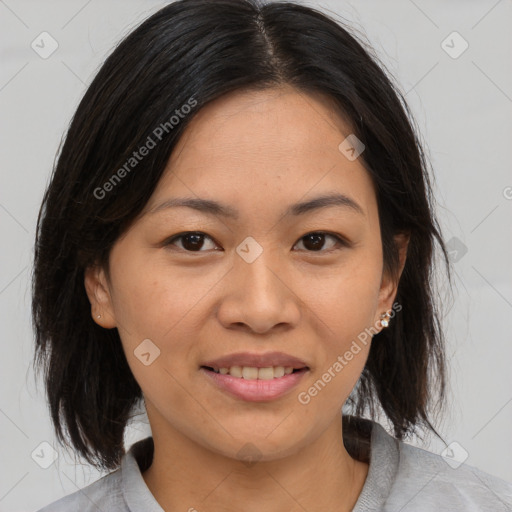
(255,390)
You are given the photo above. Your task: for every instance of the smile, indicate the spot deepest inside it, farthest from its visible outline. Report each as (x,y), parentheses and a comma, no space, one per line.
(247,383)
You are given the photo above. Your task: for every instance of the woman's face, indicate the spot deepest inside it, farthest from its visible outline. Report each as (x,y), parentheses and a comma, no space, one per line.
(258,281)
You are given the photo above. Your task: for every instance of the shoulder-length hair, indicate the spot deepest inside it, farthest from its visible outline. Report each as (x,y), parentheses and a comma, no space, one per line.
(190,53)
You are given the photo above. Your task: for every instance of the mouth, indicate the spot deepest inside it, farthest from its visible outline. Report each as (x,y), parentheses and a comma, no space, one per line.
(254,366)
(256,373)
(254,384)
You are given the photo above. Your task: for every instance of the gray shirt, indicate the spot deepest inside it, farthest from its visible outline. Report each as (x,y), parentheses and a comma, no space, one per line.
(401,477)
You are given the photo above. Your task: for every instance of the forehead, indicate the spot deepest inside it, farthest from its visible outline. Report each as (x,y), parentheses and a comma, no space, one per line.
(279,144)
(283,119)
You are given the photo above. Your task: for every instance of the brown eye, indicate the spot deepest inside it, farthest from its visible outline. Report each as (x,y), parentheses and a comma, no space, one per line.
(316,241)
(192,241)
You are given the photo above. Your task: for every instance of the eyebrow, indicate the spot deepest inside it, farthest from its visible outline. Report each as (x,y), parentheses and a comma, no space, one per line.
(211,207)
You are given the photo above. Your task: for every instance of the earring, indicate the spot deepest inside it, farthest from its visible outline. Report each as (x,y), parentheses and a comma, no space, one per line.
(99,316)
(384,319)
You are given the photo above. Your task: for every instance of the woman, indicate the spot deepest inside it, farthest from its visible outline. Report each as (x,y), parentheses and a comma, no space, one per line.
(239,232)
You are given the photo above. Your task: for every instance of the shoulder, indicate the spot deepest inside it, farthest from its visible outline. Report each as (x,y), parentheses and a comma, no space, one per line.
(410,479)
(104,494)
(120,491)
(426,481)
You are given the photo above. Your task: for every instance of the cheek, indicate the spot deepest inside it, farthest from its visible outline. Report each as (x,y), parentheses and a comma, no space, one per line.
(346,299)
(151,297)
(166,307)
(157,310)
(346,303)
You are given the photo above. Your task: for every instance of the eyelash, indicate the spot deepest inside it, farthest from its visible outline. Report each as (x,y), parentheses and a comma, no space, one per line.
(342,242)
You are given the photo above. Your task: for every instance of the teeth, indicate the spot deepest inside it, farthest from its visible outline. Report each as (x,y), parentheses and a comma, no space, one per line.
(252,373)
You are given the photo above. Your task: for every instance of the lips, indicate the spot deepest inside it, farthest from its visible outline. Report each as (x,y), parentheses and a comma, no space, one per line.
(256,360)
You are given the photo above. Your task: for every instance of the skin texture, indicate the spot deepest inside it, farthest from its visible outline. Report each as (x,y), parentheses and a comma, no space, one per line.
(257,152)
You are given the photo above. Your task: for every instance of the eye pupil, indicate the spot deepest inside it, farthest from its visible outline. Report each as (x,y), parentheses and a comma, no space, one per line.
(317,240)
(196,241)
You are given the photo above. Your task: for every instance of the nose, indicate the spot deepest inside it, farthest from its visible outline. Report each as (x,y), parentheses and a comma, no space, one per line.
(258,297)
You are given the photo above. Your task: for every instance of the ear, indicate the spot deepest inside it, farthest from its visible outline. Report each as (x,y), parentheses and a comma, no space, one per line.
(389,285)
(98,291)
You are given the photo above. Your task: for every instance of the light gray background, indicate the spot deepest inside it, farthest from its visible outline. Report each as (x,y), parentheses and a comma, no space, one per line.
(463,108)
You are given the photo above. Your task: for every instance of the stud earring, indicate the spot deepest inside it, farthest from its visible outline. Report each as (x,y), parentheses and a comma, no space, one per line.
(384,319)
(99,316)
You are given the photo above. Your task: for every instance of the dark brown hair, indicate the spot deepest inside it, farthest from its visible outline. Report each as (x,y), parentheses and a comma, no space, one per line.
(201,49)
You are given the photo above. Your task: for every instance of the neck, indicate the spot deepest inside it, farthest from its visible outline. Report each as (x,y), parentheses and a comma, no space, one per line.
(187,476)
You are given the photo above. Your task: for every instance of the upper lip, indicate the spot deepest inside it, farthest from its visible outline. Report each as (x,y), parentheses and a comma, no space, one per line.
(256,360)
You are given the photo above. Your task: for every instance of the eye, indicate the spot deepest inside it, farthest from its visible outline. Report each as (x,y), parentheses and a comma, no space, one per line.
(313,242)
(191,241)
(194,241)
